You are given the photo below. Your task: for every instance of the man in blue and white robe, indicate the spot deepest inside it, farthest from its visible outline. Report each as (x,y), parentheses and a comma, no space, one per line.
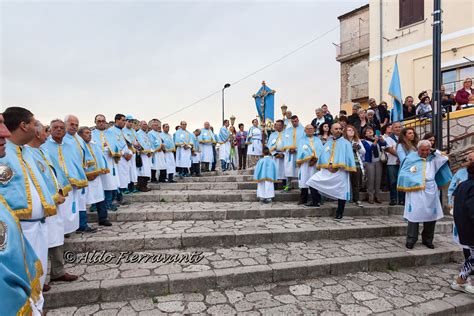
(169,150)
(223,138)
(158,166)
(275,144)
(206,141)
(291,136)
(184,145)
(421,175)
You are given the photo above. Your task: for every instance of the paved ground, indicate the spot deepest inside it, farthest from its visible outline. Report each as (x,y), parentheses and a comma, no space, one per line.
(418,291)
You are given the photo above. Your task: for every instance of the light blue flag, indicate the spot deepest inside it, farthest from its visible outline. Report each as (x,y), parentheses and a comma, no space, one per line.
(269,102)
(395,91)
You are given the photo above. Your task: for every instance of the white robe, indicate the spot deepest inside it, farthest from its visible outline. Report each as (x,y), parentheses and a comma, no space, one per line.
(95,191)
(265,190)
(224,152)
(306,172)
(170,162)
(333,185)
(280,167)
(196,158)
(133,169)
(425,204)
(159,161)
(71,214)
(36,232)
(124,172)
(207,154)
(110,181)
(145,169)
(56,223)
(255,147)
(183,157)
(291,170)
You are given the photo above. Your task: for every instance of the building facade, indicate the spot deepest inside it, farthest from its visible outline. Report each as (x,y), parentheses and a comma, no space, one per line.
(353,54)
(403,28)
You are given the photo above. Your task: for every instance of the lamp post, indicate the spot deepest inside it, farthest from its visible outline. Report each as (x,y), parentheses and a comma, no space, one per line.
(227,85)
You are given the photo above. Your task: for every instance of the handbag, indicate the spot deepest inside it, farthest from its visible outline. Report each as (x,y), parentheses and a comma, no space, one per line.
(383,156)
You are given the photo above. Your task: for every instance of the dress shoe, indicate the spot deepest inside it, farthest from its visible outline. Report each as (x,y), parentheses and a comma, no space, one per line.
(376,200)
(409,245)
(113,208)
(370,201)
(105,223)
(392,203)
(401,203)
(428,245)
(66,278)
(338,216)
(46,287)
(311,204)
(88,229)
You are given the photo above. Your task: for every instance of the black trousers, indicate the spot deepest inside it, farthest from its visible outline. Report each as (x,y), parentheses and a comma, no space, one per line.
(316,197)
(162,177)
(427,235)
(153,175)
(243,157)
(196,169)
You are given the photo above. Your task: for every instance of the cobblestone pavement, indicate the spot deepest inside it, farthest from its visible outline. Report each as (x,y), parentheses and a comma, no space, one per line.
(253,256)
(420,291)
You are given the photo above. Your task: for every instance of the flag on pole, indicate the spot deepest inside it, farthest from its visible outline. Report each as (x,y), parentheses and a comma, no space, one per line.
(395,91)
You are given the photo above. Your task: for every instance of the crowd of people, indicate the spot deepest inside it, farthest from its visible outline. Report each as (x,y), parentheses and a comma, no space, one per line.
(50,174)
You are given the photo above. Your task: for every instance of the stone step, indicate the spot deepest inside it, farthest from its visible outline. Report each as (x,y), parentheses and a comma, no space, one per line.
(221,178)
(153,235)
(416,290)
(217,196)
(236,210)
(228,173)
(249,185)
(131,277)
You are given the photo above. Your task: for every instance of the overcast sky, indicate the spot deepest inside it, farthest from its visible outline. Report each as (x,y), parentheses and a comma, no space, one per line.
(151,58)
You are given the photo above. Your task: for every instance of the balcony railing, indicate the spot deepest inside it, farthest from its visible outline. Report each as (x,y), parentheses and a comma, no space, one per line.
(354,46)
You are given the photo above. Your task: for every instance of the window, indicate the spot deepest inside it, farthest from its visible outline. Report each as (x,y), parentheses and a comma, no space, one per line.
(453,78)
(411,11)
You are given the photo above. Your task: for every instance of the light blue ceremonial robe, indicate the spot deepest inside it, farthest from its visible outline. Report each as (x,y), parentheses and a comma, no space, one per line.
(254,141)
(20,268)
(155,140)
(275,142)
(291,136)
(182,138)
(101,166)
(79,145)
(421,179)
(195,141)
(16,190)
(207,137)
(412,174)
(308,148)
(223,135)
(265,170)
(67,157)
(459,176)
(168,141)
(50,175)
(145,142)
(337,154)
(120,145)
(109,142)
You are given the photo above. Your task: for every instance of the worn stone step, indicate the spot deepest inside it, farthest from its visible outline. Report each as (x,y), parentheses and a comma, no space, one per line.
(151,211)
(217,196)
(152,235)
(408,291)
(228,173)
(214,178)
(224,268)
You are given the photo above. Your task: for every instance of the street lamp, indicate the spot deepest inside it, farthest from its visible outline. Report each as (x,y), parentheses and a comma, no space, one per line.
(227,85)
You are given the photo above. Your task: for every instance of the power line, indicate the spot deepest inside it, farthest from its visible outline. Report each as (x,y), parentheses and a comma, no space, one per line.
(257,71)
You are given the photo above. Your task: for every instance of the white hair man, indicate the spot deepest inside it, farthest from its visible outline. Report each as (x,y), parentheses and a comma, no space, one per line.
(421,174)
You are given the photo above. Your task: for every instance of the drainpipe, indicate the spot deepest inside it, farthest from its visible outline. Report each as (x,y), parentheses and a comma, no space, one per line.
(381,51)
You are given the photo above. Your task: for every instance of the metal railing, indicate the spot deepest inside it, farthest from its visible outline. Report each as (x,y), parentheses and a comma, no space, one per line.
(354,45)
(422,124)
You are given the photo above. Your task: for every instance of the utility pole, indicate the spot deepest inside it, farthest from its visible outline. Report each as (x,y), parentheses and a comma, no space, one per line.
(437,122)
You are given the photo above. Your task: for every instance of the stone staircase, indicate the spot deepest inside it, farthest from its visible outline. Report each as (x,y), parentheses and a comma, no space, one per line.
(199,245)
